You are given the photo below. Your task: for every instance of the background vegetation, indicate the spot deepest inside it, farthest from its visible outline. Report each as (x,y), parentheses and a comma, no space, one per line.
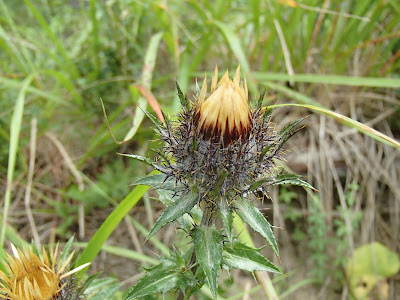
(59,169)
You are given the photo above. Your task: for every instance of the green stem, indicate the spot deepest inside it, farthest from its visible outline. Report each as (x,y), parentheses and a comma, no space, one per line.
(206,221)
(208,216)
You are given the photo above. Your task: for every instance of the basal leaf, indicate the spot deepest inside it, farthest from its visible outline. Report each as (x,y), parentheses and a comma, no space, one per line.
(253,217)
(208,245)
(241,256)
(178,208)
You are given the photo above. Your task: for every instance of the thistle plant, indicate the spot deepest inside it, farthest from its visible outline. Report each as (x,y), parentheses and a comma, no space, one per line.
(218,154)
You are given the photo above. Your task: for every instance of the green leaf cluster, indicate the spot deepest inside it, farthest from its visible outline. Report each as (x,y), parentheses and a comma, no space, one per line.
(213,248)
(171,274)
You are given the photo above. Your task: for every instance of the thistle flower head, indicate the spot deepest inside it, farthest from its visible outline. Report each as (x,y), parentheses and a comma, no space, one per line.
(225,114)
(30,277)
(219,141)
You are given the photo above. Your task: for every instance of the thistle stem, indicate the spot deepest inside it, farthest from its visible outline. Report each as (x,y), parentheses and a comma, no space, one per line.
(208,216)
(206,221)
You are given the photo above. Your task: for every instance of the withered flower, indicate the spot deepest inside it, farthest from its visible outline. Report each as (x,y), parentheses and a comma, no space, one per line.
(30,277)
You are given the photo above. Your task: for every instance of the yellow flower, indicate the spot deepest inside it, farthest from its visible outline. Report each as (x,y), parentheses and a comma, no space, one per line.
(30,277)
(225,115)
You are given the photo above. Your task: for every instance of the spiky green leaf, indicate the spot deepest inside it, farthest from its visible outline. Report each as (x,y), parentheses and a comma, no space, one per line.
(292,180)
(260,99)
(155,180)
(158,181)
(187,221)
(182,98)
(267,115)
(208,245)
(140,158)
(225,213)
(146,160)
(253,217)
(97,283)
(178,208)
(257,184)
(198,90)
(166,119)
(241,256)
(165,196)
(66,251)
(160,126)
(168,275)
(289,127)
(284,135)
(284,179)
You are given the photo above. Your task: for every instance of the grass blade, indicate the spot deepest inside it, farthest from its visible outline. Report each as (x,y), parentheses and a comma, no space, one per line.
(148,66)
(348,122)
(237,50)
(15,130)
(109,225)
(330,79)
(123,252)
